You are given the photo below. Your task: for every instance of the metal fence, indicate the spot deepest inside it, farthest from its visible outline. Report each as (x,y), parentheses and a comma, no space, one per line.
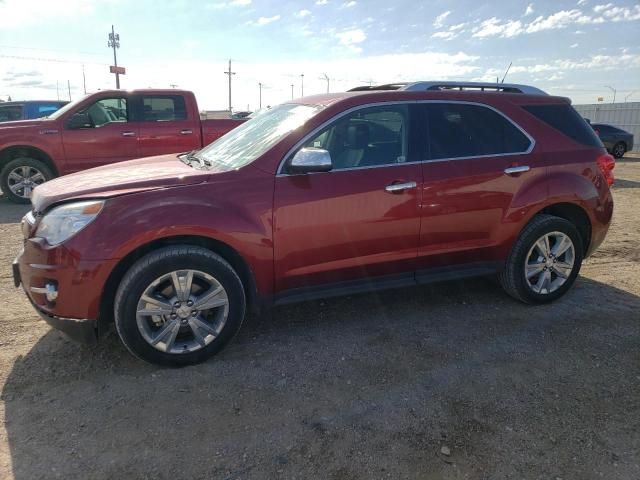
(622,115)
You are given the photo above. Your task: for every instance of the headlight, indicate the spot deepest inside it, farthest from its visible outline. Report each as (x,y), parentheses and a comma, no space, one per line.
(64,221)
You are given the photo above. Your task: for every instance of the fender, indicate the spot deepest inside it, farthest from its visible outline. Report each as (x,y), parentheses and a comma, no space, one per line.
(210,210)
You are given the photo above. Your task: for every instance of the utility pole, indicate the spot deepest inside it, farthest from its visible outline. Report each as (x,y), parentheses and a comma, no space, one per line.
(230,73)
(69,89)
(302,84)
(292,91)
(326,77)
(614,92)
(114,42)
(58,89)
(260,87)
(84,80)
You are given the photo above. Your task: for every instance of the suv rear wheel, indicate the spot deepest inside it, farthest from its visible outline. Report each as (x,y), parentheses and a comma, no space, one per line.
(544,261)
(20,176)
(179,305)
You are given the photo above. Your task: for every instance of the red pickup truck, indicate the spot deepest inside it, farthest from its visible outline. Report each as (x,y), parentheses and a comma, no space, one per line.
(105,127)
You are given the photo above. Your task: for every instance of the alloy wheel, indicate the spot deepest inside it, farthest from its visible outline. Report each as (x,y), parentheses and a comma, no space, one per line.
(550,262)
(182,311)
(22,180)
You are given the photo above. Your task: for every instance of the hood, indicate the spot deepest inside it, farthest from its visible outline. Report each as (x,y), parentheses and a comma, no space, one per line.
(117,179)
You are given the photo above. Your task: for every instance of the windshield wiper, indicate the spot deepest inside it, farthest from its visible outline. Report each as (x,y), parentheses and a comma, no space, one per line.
(193,157)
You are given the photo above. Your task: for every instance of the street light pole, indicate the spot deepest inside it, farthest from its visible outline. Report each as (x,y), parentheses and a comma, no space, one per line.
(614,92)
(627,97)
(302,84)
(114,42)
(292,91)
(260,88)
(326,77)
(230,73)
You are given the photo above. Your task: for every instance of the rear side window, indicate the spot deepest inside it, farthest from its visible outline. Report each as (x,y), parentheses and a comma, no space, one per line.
(163,108)
(458,130)
(565,119)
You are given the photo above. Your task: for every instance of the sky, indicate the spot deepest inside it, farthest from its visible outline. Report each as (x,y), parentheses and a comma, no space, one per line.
(583,49)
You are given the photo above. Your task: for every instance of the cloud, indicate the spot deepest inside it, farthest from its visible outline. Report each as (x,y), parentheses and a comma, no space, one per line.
(351,38)
(303,13)
(439,21)
(266,20)
(322,2)
(562,19)
(452,32)
(574,45)
(444,35)
(18,13)
(581,2)
(529,10)
(350,4)
(230,3)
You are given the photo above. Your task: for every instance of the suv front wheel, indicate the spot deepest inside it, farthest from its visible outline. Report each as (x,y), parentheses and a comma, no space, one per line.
(179,305)
(544,261)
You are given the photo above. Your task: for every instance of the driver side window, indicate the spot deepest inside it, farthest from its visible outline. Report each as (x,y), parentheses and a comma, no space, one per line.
(108,110)
(368,137)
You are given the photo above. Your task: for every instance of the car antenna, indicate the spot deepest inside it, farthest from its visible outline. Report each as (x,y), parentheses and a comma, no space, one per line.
(505,73)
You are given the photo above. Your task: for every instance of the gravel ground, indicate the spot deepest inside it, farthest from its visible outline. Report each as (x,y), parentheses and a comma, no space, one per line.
(449,381)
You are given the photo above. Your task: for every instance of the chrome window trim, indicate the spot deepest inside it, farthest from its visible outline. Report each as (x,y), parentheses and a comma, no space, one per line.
(307,137)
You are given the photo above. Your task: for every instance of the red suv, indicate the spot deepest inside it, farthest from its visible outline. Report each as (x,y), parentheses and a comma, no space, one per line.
(329,195)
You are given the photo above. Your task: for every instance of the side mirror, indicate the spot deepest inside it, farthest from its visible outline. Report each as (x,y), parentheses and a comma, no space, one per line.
(308,160)
(80,120)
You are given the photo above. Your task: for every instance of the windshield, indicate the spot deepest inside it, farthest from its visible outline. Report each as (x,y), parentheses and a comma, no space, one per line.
(245,143)
(66,108)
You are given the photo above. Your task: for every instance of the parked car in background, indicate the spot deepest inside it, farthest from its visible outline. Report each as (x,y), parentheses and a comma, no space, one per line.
(105,127)
(29,109)
(617,141)
(326,195)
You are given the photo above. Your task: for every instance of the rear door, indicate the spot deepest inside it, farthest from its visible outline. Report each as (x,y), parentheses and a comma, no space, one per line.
(476,162)
(348,224)
(109,137)
(165,125)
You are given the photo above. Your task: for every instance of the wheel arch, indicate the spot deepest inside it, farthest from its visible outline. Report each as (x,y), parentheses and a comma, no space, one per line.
(16,151)
(227,252)
(575,214)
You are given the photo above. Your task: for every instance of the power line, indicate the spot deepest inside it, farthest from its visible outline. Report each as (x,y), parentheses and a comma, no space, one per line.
(55,60)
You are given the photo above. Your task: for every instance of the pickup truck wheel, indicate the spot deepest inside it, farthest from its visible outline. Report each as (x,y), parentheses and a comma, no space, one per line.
(619,149)
(179,305)
(20,176)
(544,261)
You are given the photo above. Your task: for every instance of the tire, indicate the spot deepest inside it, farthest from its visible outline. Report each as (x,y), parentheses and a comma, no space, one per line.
(35,171)
(619,149)
(189,345)
(526,258)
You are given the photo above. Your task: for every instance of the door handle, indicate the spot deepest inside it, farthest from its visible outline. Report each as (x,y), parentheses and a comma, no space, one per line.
(516,170)
(186,132)
(128,134)
(400,187)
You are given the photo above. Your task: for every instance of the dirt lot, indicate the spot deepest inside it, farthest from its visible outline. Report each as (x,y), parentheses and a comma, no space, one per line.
(371,386)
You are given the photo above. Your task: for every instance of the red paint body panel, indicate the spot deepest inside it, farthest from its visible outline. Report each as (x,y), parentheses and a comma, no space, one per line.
(76,150)
(300,230)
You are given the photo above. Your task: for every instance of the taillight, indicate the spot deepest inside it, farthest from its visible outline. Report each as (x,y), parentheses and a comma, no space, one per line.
(607,163)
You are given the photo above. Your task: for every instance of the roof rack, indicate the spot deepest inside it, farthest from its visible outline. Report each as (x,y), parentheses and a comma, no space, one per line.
(461,86)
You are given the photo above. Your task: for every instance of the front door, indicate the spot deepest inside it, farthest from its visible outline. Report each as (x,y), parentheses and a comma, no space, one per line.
(362,218)
(109,136)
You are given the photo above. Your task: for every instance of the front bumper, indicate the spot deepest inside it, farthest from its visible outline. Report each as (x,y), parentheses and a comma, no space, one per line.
(78,285)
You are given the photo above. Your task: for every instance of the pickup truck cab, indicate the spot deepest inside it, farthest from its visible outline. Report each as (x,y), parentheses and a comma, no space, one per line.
(105,127)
